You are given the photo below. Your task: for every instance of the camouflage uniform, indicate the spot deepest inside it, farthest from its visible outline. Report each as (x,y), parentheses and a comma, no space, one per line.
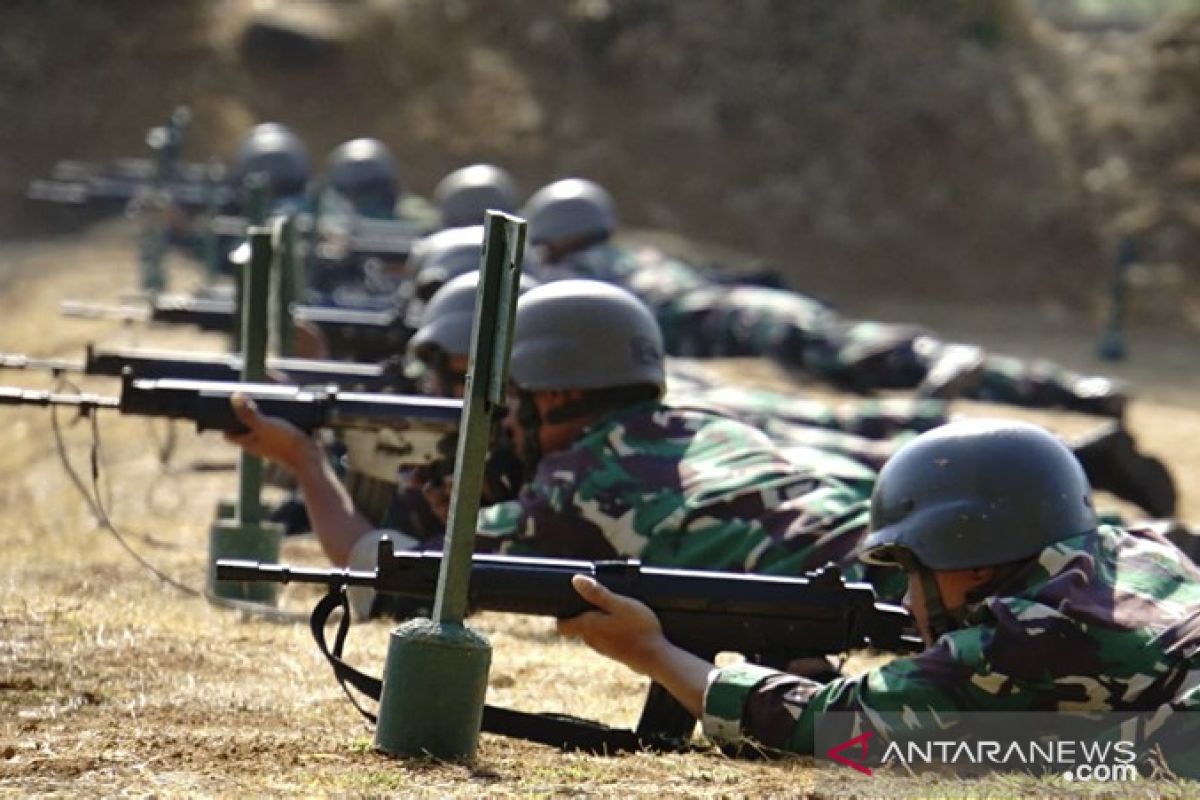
(1103,621)
(867,431)
(686,488)
(702,317)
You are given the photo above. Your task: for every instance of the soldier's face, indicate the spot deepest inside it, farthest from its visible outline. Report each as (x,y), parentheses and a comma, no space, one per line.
(953,586)
(449,381)
(914,602)
(552,436)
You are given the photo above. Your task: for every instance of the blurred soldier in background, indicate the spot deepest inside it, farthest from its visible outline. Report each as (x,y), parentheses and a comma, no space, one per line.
(276,152)
(571,225)
(465,194)
(364,173)
(439,257)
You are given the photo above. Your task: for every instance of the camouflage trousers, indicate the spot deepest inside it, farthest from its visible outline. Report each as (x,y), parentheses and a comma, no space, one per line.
(866,357)
(866,431)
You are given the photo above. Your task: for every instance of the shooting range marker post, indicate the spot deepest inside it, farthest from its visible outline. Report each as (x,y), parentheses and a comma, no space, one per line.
(1111,346)
(247,534)
(285,284)
(435,675)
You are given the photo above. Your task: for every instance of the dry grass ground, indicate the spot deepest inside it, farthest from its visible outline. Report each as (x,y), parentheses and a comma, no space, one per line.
(113,683)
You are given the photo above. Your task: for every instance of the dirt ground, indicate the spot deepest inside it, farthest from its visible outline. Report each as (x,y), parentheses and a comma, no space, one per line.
(115,683)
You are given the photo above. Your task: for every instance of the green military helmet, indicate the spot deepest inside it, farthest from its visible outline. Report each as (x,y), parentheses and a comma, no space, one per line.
(445,255)
(582,334)
(447,318)
(276,151)
(573,208)
(976,493)
(465,194)
(365,173)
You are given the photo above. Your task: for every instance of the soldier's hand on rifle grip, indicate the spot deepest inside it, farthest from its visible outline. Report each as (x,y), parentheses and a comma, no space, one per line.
(623,629)
(271,438)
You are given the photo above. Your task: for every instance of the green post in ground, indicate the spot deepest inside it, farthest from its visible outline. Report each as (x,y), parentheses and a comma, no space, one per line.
(286,284)
(164,142)
(247,535)
(213,176)
(1112,340)
(308,266)
(435,676)
(254,188)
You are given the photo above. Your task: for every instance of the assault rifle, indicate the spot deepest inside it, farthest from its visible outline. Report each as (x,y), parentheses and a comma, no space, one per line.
(126,180)
(353,334)
(383,432)
(117,183)
(144,363)
(768,619)
(340,238)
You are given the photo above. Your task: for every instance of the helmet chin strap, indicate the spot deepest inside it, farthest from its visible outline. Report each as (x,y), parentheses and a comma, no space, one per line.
(939,619)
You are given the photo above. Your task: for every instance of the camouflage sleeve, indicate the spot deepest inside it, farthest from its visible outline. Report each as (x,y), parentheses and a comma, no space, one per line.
(747,701)
(780,710)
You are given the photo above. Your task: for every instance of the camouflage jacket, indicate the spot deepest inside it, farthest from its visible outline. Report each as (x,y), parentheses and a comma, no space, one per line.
(1106,621)
(683,488)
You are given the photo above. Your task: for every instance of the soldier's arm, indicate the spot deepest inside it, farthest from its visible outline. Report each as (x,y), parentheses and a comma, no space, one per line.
(780,710)
(627,631)
(337,524)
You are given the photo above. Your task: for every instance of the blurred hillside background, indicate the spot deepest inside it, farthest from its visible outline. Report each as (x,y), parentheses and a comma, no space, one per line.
(961,150)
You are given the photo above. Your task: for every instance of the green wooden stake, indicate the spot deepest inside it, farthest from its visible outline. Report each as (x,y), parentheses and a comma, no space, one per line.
(213,176)
(312,236)
(152,209)
(435,675)
(286,284)
(255,189)
(247,535)
(1112,341)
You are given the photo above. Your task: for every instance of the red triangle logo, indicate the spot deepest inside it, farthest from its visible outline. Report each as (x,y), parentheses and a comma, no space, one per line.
(859,741)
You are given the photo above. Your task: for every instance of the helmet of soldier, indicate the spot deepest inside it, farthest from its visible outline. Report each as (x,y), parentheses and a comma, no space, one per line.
(364,172)
(977,493)
(445,255)
(276,151)
(569,209)
(465,194)
(582,334)
(447,318)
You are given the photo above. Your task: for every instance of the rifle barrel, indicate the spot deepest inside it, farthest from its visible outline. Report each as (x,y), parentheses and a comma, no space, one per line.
(56,365)
(36,397)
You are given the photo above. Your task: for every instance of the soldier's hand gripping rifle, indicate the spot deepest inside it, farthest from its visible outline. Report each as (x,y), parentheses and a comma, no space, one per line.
(351,333)
(768,619)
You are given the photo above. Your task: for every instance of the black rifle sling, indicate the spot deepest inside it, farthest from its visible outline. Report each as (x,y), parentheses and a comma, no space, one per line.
(345,674)
(557,730)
